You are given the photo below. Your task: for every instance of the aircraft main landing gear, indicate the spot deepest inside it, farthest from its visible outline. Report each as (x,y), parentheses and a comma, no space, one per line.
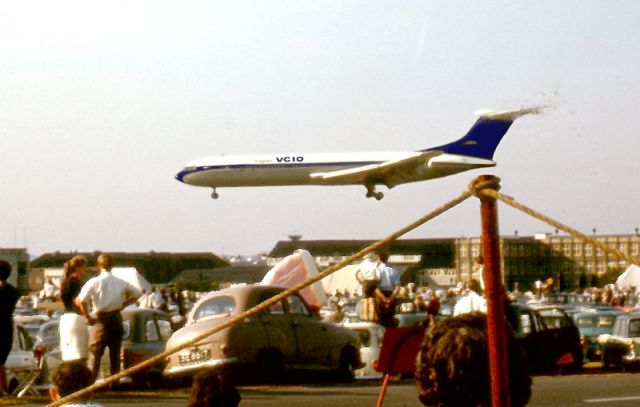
(214,194)
(372,193)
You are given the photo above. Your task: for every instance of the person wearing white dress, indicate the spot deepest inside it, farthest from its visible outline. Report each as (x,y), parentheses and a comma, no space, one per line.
(74,330)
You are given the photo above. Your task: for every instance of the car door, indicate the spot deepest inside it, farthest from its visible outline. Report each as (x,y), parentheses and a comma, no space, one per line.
(557,336)
(157,332)
(526,333)
(21,357)
(280,331)
(314,343)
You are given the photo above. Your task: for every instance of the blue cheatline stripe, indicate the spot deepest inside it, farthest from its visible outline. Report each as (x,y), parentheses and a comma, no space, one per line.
(180,176)
(481,141)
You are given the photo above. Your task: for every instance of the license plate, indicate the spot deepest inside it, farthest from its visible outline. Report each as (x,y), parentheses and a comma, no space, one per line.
(194,356)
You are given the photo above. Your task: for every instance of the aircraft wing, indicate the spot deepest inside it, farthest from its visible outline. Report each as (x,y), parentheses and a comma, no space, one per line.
(390,173)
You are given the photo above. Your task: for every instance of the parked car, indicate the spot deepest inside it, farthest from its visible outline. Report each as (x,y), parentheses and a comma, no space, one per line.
(285,337)
(622,346)
(548,336)
(20,358)
(146,332)
(31,323)
(371,335)
(591,325)
(47,338)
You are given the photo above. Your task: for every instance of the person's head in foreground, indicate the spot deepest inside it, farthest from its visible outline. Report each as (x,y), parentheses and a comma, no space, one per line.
(70,378)
(452,368)
(213,388)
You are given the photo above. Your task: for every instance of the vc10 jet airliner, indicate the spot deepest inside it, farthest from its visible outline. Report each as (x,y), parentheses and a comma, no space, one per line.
(474,150)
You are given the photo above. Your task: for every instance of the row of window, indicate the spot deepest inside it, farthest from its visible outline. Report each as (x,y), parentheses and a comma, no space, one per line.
(566,249)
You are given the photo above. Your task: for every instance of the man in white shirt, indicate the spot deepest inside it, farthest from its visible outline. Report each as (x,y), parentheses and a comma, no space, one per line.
(368,276)
(473,301)
(142,301)
(49,291)
(105,296)
(155,299)
(387,291)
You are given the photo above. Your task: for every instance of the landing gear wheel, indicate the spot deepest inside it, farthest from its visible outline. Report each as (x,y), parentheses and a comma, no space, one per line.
(372,193)
(214,194)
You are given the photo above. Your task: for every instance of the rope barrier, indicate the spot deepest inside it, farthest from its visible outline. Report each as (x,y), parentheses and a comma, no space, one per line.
(266,304)
(512,202)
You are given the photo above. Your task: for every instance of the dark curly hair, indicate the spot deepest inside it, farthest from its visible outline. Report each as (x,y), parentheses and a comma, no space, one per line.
(71,377)
(5,270)
(213,388)
(452,368)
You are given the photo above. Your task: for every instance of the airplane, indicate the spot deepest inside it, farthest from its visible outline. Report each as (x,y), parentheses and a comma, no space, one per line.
(474,150)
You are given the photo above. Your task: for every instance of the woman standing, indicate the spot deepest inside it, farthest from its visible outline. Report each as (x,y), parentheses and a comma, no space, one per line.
(74,333)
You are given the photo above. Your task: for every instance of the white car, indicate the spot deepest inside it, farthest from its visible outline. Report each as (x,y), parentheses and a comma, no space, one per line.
(371,335)
(20,362)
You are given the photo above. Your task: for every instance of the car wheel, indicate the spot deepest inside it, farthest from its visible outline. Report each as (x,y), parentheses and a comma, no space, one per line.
(270,366)
(611,359)
(348,360)
(155,380)
(576,367)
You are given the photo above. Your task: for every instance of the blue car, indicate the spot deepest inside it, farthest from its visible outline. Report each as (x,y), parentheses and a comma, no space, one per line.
(591,325)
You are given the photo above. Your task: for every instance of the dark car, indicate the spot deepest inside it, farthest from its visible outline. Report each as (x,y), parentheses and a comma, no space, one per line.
(622,347)
(549,337)
(591,325)
(286,337)
(146,332)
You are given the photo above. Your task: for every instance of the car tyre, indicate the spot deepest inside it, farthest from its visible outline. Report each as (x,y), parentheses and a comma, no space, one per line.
(155,380)
(611,359)
(348,361)
(270,366)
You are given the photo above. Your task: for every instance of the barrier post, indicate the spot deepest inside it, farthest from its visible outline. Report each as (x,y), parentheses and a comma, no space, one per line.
(495,294)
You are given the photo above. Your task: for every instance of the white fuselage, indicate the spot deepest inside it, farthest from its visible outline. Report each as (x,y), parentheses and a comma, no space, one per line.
(296,169)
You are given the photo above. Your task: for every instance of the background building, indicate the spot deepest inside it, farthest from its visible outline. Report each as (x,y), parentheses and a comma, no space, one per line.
(569,261)
(19,260)
(156,267)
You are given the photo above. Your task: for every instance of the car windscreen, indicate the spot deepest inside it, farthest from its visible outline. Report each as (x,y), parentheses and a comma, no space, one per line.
(634,328)
(553,319)
(606,321)
(216,306)
(590,321)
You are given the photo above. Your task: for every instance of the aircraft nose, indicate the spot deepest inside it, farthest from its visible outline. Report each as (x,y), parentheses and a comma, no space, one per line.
(184,172)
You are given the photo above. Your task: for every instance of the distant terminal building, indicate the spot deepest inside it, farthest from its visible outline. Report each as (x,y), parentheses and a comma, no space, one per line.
(156,267)
(570,262)
(408,256)
(207,279)
(19,260)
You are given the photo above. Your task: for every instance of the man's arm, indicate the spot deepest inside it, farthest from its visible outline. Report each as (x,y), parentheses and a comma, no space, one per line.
(83,300)
(132,294)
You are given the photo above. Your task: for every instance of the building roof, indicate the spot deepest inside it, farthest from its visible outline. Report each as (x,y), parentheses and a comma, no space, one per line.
(157,267)
(348,247)
(227,274)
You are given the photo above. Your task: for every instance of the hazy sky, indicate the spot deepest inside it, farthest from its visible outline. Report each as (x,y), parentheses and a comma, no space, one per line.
(102,103)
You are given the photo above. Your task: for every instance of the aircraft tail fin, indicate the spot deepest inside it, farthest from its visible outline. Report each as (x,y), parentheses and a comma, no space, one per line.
(484,136)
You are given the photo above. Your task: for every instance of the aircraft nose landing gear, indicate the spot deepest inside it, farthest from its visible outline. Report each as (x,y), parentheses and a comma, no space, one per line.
(372,193)
(214,194)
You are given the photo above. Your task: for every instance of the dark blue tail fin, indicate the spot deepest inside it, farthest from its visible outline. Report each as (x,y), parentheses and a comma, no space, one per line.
(484,136)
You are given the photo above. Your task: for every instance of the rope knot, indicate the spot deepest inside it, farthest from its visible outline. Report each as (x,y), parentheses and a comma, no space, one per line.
(484,182)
